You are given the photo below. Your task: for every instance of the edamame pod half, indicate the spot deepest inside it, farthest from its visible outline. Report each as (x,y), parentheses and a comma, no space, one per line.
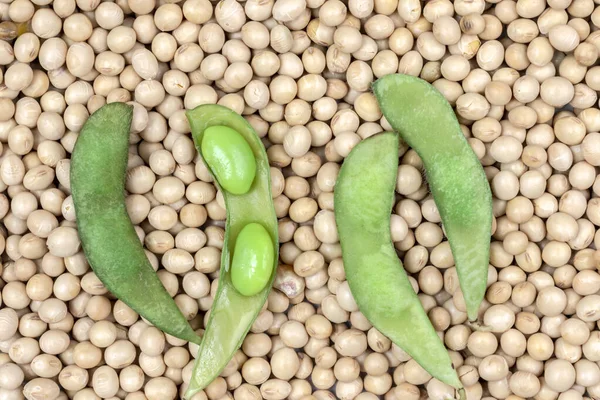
(462,194)
(109,241)
(232,312)
(363,201)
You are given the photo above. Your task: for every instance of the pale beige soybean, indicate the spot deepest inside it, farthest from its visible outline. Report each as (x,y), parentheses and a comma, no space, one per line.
(563,38)
(586,54)
(188,57)
(256,94)
(105,381)
(11,376)
(311,87)
(533,184)
(145,64)
(348,39)
(490,55)
(163,47)
(556,91)
(20,140)
(281,39)
(477,81)
(550,18)
(51,126)
(559,375)
(359,76)
(73,377)
(79,59)
(162,162)
(149,93)
(27,110)
(524,384)
(40,388)
(54,342)
(212,39)
(109,15)
(581,175)
(230,15)
(45,23)
(446,30)
(255,35)
(213,67)
(9,321)
(297,141)
(498,93)
(23,350)
(472,106)
(332,13)
(168,17)
(26,47)
(18,76)
(41,223)
(588,147)
(467,46)
(7,110)
(21,11)
(145,28)
(379,27)
(98,40)
(77,27)
(121,353)
(522,30)
(429,47)
(570,69)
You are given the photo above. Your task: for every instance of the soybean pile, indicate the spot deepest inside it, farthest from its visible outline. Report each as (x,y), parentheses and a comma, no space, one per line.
(523,79)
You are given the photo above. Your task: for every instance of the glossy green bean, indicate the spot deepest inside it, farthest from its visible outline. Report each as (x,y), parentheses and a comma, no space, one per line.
(109,241)
(363,201)
(252,262)
(232,313)
(230,158)
(427,123)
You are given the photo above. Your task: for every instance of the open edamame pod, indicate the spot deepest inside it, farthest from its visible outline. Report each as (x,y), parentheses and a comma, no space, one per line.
(109,241)
(232,312)
(462,194)
(363,201)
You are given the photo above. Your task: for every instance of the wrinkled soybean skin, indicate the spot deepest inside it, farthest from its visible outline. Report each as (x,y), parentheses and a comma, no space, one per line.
(232,313)
(113,249)
(252,263)
(364,197)
(230,158)
(456,178)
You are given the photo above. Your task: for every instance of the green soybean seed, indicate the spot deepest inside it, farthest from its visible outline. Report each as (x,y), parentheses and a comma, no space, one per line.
(363,201)
(109,241)
(427,123)
(232,312)
(230,158)
(252,263)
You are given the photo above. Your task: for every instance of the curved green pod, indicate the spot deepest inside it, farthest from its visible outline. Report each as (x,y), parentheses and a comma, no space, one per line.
(462,194)
(363,201)
(232,313)
(109,241)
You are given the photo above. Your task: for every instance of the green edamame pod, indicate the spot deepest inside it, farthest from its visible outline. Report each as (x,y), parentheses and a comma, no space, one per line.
(426,121)
(109,241)
(232,313)
(363,201)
